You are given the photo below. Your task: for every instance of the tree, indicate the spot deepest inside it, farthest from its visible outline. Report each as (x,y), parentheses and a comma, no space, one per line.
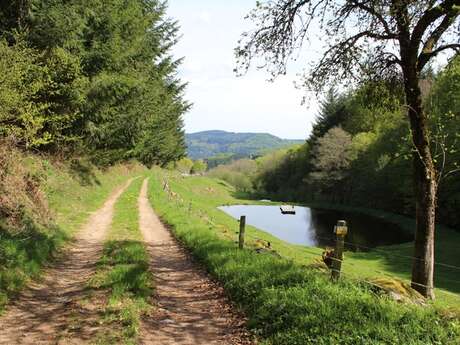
(199,166)
(367,38)
(332,156)
(93,76)
(332,112)
(184,165)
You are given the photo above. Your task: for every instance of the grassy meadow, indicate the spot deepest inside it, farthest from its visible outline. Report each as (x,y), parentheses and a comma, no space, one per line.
(205,194)
(286,302)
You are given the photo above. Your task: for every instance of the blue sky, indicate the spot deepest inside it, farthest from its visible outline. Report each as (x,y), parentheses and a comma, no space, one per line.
(210,31)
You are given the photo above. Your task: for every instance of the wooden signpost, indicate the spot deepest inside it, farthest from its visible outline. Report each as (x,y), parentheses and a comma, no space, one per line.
(242,228)
(340,231)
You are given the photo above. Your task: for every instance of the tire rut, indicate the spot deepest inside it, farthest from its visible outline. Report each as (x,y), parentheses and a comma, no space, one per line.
(190,308)
(49,311)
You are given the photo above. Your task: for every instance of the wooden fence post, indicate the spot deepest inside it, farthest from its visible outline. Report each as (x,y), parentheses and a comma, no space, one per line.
(242,228)
(340,231)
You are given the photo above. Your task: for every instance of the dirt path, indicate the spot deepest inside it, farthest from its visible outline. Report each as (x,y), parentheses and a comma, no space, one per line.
(48,312)
(191,309)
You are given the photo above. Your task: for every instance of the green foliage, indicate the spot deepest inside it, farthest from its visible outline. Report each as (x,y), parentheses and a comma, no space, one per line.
(199,167)
(287,303)
(279,172)
(444,109)
(21,80)
(220,159)
(208,144)
(331,157)
(93,76)
(331,114)
(238,173)
(184,165)
(41,206)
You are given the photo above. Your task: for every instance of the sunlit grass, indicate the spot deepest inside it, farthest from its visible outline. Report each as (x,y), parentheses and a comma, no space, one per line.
(72,196)
(286,302)
(123,272)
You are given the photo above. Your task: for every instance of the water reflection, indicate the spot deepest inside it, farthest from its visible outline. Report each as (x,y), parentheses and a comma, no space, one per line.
(313,227)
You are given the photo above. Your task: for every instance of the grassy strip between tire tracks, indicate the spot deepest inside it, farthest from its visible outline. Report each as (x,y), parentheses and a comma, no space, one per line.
(289,304)
(123,272)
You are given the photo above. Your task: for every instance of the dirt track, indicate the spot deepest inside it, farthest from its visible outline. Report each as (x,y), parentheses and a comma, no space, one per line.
(191,309)
(47,312)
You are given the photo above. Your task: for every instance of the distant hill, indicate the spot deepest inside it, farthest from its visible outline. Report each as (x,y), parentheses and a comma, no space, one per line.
(207,144)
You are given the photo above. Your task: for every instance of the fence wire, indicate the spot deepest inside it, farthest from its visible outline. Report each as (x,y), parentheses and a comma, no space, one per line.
(189,208)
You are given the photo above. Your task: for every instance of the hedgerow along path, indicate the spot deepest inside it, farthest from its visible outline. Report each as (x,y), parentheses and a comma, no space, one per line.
(43,313)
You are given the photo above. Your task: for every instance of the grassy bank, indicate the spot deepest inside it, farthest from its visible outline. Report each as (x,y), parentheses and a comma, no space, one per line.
(286,302)
(205,194)
(396,260)
(42,204)
(123,273)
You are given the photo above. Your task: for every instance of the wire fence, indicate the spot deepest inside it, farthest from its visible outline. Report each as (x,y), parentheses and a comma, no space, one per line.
(386,252)
(191,209)
(355,277)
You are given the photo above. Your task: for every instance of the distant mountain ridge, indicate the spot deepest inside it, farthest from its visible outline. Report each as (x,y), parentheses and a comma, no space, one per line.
(208,144)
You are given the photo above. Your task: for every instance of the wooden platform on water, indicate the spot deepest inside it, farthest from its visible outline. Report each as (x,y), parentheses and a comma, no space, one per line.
(287,209)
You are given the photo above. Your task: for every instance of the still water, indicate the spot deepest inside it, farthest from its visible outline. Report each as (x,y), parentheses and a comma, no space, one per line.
(314,227)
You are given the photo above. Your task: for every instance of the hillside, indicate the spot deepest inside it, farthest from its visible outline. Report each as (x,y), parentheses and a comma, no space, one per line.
(221,143)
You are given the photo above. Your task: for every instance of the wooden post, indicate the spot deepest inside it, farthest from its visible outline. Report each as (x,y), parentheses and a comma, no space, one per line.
(242,228)
(340,231)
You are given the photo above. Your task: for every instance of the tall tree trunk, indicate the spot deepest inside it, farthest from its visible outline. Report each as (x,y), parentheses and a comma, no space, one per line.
(425,186)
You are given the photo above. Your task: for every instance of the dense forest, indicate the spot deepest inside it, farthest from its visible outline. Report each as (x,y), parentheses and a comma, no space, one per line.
(359,152)
(93,78)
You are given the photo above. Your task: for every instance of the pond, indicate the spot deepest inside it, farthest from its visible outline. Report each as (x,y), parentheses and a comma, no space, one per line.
(314,227)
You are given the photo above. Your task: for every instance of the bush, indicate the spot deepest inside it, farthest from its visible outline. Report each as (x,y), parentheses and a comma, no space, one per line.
(238,173)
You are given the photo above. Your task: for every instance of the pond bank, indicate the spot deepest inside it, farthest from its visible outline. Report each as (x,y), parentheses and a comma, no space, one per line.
(203,195)
(286,302)
(314,227)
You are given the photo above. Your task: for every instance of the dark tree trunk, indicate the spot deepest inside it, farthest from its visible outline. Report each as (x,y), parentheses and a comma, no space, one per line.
(425,186)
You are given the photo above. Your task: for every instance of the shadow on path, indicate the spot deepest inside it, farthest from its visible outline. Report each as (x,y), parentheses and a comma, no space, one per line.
(50,311)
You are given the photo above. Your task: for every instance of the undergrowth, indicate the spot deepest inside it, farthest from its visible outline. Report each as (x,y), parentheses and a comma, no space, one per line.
(123,272)
(288,304)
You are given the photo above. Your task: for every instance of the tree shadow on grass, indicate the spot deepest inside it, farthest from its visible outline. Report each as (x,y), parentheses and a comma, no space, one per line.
(397,261)
(83,172)
(23,254)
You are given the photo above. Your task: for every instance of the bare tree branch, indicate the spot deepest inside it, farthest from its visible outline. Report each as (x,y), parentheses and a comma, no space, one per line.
(373,12)
(425,57)
(430,16)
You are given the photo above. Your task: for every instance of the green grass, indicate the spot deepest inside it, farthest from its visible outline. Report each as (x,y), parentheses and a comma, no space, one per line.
(205,194)
(395,260)
(74,195)
(286,302)
(123,272)
(71,195)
